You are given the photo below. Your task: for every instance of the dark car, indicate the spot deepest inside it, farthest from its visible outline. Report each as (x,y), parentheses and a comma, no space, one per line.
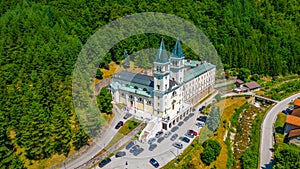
(289,111)
(152,147)
(191,114)
(186,118)
(158,134)
(174,137)
(129,145)
(104,162)
(160,139)
(180,123)
(202,118)
(154,162)
(177,145)
(138,151)
(120,154)
(134,148)
(185,139)
(151,140)
(120,123)
(190,135)
(127,115)
(174,128)
(285,112)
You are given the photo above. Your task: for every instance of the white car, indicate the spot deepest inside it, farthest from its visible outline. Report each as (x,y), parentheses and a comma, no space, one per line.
(200,124)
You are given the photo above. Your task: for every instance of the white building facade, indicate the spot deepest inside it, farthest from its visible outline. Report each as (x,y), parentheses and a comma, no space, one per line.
(176,85)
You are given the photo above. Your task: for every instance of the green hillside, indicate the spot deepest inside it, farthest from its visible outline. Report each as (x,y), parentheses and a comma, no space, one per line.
(40,42)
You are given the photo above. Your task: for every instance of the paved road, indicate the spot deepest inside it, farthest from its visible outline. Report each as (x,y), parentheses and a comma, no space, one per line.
(266,139)
(100,144)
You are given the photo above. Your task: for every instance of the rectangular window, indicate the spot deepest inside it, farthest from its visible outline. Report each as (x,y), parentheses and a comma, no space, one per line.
(158,87)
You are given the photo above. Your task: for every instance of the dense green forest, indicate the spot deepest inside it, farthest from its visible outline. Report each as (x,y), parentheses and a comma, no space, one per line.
(40,41)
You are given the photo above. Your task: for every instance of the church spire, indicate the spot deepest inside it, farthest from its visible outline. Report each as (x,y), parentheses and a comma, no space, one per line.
(177,50)
(162,55)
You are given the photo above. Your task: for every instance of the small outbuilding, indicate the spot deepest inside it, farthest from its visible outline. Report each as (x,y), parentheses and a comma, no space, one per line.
(239,82)
(252,86)
(294,137)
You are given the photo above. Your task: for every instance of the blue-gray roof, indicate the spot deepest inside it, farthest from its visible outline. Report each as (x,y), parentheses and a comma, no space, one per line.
(177,50)
(196,71)
(162,55)
(135,78)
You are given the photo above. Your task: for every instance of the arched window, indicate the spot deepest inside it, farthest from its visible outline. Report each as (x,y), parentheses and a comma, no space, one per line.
(140,99)
(149,102)
(174,93)
(131,97)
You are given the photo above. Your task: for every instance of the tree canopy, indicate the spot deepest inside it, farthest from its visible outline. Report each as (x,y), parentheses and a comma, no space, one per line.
(40,42)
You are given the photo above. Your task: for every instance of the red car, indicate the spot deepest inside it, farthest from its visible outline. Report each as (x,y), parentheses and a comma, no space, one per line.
(192,132)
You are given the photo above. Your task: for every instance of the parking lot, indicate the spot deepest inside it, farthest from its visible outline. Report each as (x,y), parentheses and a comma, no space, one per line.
(161,148)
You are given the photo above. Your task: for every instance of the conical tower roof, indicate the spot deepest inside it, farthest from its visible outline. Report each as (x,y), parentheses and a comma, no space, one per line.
(162,55)
(177,50)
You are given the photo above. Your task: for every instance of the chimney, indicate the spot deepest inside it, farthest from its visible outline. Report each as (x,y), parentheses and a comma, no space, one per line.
(202,62)
(197,64)
(188,60)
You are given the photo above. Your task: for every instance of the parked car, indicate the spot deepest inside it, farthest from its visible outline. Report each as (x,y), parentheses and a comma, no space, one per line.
(134,148)
(104,162)
(202,118)
(180,123)
(151,140)
(167,134)
(174,137)
(158,134)
(138,151)
(154,162)
(191,115)
(120,154)
(193,132)
(200,124)
(174,128)
(152,147)
(190,135)
(160,139)
(285,112)
(186,118)
(120,124)
(177,145)
(129,145)
(185,139)
(289,111)
(127,115)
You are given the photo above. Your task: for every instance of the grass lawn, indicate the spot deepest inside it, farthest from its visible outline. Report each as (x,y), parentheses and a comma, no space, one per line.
(190,158)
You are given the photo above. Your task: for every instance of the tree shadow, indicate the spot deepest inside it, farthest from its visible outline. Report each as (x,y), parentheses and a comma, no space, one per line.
(279,130)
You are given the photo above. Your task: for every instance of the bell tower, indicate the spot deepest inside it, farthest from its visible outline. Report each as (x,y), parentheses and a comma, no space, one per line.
(177,63)
(161,79)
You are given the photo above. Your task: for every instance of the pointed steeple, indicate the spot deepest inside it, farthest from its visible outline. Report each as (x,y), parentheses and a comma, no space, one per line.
(177,50)
(162,55)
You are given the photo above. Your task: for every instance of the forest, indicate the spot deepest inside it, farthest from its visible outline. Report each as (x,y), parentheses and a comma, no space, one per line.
(40,42)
